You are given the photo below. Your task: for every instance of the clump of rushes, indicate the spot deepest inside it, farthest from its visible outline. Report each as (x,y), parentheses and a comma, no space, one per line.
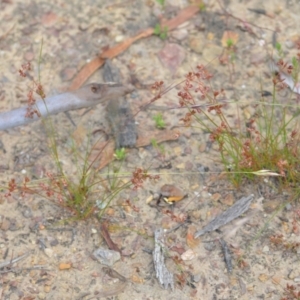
(78,194)
(267,144)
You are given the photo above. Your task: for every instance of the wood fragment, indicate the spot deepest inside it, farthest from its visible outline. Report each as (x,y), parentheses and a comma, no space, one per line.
(259,11)
(13,261)
(111,245)
(230,214)
(118,112)
(114,289)
(227,255)
(164,276)
(113,273)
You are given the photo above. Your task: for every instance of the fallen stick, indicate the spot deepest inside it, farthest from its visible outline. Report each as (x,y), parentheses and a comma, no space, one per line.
(184,15)
(87,96)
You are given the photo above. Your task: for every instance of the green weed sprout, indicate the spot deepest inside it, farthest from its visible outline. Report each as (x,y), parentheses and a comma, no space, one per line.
(159,121)
(161,32)
(161,2)
(120,154)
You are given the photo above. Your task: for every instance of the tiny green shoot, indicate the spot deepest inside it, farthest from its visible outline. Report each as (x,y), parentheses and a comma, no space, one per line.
(159,121)
(120,154)
(161,32)
(161,2)
(279,49)
(160,148)
(229,43)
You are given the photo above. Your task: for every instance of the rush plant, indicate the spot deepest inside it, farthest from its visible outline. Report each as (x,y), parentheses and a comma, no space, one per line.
(266,144)
(85,192)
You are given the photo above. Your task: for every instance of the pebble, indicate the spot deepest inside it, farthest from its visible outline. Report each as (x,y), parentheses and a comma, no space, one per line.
(49,19)
(196,277)
(188,166)
(119,38)
(107,257)
(228,200)
(202,147)
(27,212)
(48,252)
(289,44)
(172,56)
(216,197)
(180,34)
(258,58)
(5,224)
(266,249)
(196,43)
(180,166)
(188,150)
(68,73)
(209,246)
(29,56)
(205,194)
(42,296)
(177,151)
(292,275)
(288,206)
(64,266)
(211,53)
(188,255)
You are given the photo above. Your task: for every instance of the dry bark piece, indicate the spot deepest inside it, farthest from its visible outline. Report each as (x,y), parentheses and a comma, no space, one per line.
(111,245)
(164,276)
(230,214)
(119,112)
(227,255)
(114,289)
(12,261)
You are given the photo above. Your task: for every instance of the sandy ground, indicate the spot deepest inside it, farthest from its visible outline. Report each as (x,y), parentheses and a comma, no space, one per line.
(71,33)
